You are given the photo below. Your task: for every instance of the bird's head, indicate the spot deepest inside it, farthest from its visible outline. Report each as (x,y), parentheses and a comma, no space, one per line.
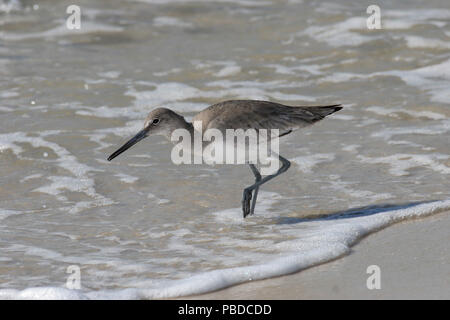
(160,121)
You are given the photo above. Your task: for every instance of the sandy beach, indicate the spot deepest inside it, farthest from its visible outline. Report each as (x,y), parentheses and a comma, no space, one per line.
(413,257)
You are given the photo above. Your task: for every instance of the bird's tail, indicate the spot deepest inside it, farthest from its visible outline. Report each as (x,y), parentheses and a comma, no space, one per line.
(324,111)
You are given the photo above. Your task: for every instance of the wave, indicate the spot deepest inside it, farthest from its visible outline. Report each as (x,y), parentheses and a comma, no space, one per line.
(327,238)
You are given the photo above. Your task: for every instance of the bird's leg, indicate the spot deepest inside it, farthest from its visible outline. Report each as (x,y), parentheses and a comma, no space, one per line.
(255,193)
(248,191)
(248,195)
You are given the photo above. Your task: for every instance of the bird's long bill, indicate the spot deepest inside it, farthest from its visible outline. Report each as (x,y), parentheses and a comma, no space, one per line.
(138,137)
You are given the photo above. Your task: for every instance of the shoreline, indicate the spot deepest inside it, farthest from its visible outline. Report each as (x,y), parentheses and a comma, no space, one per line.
(413,257)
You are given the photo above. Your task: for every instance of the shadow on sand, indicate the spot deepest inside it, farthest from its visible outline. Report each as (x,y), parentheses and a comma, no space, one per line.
(353,212)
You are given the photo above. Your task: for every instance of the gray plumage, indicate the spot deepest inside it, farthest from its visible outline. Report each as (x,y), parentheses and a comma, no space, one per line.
(255,114)
(235,114)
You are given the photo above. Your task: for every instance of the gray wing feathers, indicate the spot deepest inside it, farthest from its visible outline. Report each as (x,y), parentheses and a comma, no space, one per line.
(246,114)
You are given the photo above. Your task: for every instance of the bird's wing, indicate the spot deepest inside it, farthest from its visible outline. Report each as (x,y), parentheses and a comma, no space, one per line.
(250,114)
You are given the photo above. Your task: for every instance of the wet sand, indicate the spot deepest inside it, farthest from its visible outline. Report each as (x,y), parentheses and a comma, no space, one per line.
(413,256)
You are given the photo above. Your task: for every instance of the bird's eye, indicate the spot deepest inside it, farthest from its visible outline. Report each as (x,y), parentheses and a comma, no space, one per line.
(155,121)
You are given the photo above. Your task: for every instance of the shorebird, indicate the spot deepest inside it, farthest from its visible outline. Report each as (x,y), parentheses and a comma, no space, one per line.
(236,114)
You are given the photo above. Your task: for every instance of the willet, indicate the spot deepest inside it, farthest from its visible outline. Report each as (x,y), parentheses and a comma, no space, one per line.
(236,114)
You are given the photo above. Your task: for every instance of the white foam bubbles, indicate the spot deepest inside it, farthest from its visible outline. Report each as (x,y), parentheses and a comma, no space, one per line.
(307,163)
(234,215)
(62,31)
(327,239)
(42,293)
(344,33)
(435,79)
(4,213)
(126,178)
(170,22)
(400,164)
(79,181)
(413,113)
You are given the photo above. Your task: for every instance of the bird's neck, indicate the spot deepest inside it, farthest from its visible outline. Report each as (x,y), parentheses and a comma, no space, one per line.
(186,125)
(181,124)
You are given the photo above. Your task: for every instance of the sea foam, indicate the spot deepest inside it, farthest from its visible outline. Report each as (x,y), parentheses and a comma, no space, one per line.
(326,239)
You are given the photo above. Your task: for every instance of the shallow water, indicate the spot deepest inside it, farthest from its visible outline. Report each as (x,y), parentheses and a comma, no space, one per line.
(68,98)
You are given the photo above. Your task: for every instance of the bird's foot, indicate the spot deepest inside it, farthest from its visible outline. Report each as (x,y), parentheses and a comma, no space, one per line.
(246,202)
